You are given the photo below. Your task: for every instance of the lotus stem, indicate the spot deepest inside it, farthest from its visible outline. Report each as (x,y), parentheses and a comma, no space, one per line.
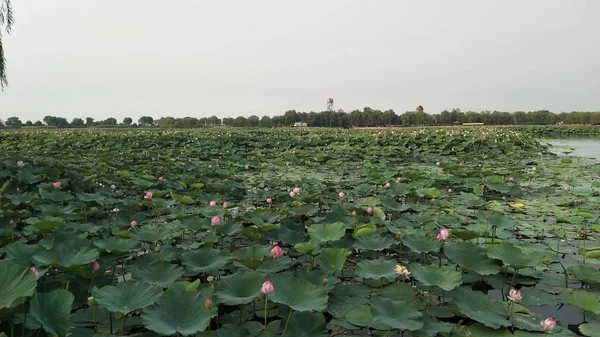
(266,313)
(123,325)
(24,324)
(95,320)
(12,329)
(209,318)
(389,332)
(287,322)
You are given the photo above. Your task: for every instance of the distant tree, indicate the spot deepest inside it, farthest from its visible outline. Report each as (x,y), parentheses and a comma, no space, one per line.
(77,122)
(38,123)
(110,121)
(166,122)
(228,121)
(89,121)
(240,121)
(265,122)
(13,122)
(28,123)
(214,121)
(127,121)
(253,121)
(146,120)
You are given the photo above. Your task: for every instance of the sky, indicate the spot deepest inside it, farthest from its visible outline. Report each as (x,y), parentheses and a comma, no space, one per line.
(129,58)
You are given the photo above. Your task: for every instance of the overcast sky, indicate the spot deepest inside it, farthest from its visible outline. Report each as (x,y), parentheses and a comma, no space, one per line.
(118,58)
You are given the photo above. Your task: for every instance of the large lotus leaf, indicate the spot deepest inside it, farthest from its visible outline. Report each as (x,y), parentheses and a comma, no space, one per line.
(53,311)
(204,260)
(240,288)
(21,253)
(65,256)
(300,295)
(310,247)
(530,322)
(161,273)
(590,329)
(374,242)
(346,296)
(401,315)
(538,297)
(327,232)
(332,259)
(480,307)
(377,269)
(400,292)
(446,278)
(513,256)
(317,277)
(501,221)
(251,257)
(361,316)
(421,243)
(307,324)
(585,273)
(471,258)
(117,246)
(432,328)
(16,281)
(176,312)
(275,265)
(126,297)
(585,301)
(364,230)
(149,234)
(46,224)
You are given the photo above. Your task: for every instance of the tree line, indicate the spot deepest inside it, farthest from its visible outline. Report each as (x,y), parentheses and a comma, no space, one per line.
(366,117)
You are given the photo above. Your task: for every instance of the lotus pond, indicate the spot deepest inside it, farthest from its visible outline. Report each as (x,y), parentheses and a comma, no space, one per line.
(236,233)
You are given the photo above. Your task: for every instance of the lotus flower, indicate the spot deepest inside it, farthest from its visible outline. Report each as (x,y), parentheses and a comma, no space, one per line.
(133,223)
(215,220)
(437,164)
(267,288)
(353,213)
(94,266)
(148,195)
(443,235)
(57,185)
(548,324)
(20,163)
(225,204)
(35,272)
(341,195)
(276,252)
(534,169)
(370,210)
(161,178)
(113,186)
(515,296)
(269,200)
(450,191)
(208,303)
(398,179)
(387,185)
(213,203)
(297,190)
(511,179)
(292,194)
(401,270)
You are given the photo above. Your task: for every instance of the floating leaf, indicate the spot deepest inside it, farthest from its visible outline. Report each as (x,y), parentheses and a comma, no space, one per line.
(240,288)
(377,269)
(53,311)
(480,307)
(16,282)
(327,232)
(332,259)
(364,230)
(298,294)
(126,297)
(421,243)
(446,278)
(176,312)
(401,315)
(162,273)
(471,258)
(204,260)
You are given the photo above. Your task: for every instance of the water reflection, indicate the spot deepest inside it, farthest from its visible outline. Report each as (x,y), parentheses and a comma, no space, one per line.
(575,146)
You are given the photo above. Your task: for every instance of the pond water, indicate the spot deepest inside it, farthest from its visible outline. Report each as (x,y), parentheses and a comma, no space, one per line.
(576,146)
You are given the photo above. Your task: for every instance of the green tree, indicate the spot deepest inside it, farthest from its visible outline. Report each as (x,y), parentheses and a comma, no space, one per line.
(166,122)
(13,122)
(77,122)
(265,122)
(253,121)
(214,121)
(89,121)
(38,123)
(146,120)
(127,121)
(28,123)
(240,121)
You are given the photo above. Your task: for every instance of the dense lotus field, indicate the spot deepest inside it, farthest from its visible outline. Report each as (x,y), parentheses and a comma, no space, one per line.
(236,233)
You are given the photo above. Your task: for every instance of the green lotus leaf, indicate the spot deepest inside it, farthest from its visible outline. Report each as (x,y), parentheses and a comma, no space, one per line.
(310,247)
(401,315)
(64,256)
(21,253)
(446,278)
(513,256)
(46,224)
(229,228)
(307,324)
(327,232)
(501,221)
(421,244)
(400,292)
(585,301)
(16,282)
(150,234)
(332,259)
(429,193)
(275,265)
(126,297)
(374,242)
(177,312)
(432,328)
(361,316)
(161,273)
(300,295)
(584,273)
(529,322)
(377,269)
(240,288)
(53,311)
(204,260)
(471,258)
(117,246)
(480,307)
(251,257)
(364,230)
(590,329)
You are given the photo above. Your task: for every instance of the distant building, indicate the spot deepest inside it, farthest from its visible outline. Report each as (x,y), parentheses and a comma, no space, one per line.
(300,124)
(472,124)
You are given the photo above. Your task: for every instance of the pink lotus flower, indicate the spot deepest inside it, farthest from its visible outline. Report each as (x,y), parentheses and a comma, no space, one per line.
(276,252)
(267,288)
(401,270)
(57,185)
(353,213)
(443,235)
(35,272)
(133,223)
(341,195)
(161,178)
(370,210)
(215,220)
(511,179)
(148,195)
(292,194)
(208,303)
(213,203)
(387,185)
(515,296)
(548,324)
(113,187)
(297,190)
(225,204)
(269,200)
(94,266)
(398,179)
(20,163)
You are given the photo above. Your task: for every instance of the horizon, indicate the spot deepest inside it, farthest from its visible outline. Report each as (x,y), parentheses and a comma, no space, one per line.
(200,59)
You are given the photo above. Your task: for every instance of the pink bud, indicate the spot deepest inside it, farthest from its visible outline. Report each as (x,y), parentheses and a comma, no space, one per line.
(208,303)
(353,213)
(133,223)
(225,204)
(548,324)
(113,186)
(57,185)
(370,210)
(213,203)
(269,200)
(341,195)
(511,179)
(20,163)
(387,185)
(443,235)
(94,266)
(35,272)
(297,190)
(276,252)
(515,296)
(215,220)
(398,179)
(292,194)
(437,164)
(148,195)
(267,288)
(161,178)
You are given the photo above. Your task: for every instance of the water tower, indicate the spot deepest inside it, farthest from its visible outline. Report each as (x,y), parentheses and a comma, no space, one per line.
(330,104)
